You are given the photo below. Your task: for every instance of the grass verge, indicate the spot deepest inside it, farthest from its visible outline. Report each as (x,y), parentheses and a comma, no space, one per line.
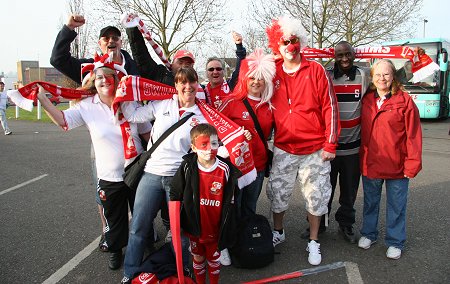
(32,116)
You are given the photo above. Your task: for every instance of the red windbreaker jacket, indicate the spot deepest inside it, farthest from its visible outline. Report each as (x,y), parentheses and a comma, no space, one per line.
(391,137)
(306,111)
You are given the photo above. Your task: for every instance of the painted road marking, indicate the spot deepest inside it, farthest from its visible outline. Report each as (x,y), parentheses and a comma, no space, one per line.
(22,184)
(353,275)
(71,264)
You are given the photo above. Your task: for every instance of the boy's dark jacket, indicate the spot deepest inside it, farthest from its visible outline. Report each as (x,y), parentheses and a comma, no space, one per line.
(185,188)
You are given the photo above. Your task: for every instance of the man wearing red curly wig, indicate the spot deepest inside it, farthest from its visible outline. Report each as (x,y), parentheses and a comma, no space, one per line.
(306,130)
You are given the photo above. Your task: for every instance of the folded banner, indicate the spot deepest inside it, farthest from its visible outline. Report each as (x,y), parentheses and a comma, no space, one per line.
(140,89)
(423,65)
(130,20)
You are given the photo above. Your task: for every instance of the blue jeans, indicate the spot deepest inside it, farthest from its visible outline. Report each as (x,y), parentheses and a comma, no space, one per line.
(396,200)
(152,189)
(248,196)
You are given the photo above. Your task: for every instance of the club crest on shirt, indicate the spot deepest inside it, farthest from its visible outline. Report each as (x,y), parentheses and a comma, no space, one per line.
(218,102)
(245,115)
(102,195)
(216,187)
(194,122)
(277,84)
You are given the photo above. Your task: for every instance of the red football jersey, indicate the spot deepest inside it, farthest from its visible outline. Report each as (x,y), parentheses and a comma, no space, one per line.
(211,185)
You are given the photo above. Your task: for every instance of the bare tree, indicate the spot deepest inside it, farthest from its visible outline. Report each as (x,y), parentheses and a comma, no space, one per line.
(358,22)
(174,23)
(85,41)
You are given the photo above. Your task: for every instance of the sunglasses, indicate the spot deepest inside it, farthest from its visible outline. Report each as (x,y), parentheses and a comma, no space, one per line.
(293,40)
(107,38)
(211,69)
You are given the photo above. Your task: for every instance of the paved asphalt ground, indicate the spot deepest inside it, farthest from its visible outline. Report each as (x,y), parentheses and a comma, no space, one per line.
(49,226)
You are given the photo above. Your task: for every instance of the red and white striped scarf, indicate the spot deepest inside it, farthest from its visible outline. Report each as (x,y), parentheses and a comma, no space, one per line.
(25,96)
(140,89)
(129,20)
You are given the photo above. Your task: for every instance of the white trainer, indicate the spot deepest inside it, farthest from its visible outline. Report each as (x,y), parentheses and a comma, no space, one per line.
(393,253)
(224,258)
(365,243)
(278,238)
(314,257)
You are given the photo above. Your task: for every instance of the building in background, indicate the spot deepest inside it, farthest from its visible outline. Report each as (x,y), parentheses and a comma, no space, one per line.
(30,71)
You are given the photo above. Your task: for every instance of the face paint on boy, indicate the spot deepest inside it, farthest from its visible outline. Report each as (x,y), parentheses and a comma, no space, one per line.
(207,146)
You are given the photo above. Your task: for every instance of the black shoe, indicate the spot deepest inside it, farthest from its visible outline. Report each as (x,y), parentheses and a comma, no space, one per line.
(102,245)
(305,234)
(115,260)
(125,280)
(348,234)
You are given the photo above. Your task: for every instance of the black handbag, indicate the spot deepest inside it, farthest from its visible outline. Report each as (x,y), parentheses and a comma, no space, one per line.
(261,136)
(135,170)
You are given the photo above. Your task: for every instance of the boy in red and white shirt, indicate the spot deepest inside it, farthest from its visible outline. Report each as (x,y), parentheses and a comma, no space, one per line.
(206,185)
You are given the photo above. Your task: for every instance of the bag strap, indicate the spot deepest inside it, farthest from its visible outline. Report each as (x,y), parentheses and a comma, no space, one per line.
(146,155)
(256,122)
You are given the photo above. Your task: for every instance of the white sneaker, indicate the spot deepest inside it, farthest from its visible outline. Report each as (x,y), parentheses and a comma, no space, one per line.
(168,238)
(278,238)
(314,257)
(224,258)
(365,243)
(393,253)
(8,132)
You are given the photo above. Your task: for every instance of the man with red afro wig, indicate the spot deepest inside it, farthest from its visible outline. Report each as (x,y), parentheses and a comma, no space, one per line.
(306,130)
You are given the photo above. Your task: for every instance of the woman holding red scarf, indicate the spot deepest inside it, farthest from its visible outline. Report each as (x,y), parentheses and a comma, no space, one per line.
(110,146)
(154,185)
(256,88)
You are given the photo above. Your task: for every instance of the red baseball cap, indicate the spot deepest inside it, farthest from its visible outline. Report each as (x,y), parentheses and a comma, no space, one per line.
(183,53)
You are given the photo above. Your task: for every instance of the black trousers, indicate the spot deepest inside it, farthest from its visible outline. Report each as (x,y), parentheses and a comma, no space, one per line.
(115,198)
(346,169)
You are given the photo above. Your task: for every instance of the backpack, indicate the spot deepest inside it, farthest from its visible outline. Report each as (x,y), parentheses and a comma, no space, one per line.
(254,247)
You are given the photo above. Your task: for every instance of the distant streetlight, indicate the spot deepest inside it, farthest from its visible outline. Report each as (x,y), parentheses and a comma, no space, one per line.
(311,23)
(424,22)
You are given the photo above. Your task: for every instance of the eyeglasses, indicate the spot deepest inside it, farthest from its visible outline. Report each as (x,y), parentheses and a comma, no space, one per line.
(107,38)
(378,76)
(211,69)
(293,40)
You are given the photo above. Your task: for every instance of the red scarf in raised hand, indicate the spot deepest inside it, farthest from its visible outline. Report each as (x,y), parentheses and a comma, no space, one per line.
(25,96)
(422,67)
(232,136)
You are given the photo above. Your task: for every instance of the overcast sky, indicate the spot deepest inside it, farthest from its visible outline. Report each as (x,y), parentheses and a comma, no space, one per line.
(29,28)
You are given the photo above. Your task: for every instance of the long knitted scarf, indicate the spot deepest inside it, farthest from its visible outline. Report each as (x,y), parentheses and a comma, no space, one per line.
(232,135)
(423,65)
(25,96)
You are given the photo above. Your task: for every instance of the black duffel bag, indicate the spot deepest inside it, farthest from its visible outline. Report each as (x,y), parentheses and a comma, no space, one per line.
(254,246)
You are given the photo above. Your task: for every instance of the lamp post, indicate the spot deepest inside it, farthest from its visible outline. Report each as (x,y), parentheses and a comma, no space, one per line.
(311,22)
(424,22)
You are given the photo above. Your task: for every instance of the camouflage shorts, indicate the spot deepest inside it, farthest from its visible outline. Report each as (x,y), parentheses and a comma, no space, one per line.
(313,176)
